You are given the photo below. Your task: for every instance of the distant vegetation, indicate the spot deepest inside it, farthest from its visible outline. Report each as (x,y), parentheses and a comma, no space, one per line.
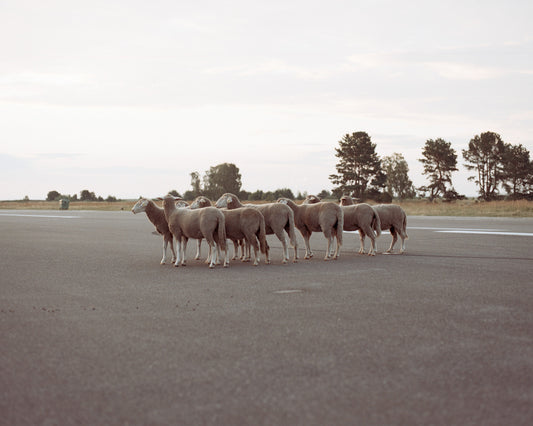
(361,173)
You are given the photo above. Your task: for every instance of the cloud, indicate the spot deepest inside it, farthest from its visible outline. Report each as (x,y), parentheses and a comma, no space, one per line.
(463,71)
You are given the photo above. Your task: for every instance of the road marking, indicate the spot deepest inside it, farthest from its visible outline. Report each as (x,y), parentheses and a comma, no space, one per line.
(288,291)
(519,234)
(478,231)
(39,215)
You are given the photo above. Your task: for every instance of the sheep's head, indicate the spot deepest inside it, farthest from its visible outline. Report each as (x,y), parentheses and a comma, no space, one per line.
(346,200)
(223,201)
(140,206)
(201,202)
(311,199)
(283,201)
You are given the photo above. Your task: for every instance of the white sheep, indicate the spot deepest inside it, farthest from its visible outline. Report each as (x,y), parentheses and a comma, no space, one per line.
(279,219)
(156,215)
(392,217)
(185,223)
(358,217)
(324,217)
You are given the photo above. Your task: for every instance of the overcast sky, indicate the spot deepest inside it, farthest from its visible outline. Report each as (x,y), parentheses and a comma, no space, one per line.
(127,98)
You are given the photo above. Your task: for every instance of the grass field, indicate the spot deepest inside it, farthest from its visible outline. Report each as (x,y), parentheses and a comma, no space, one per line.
(520,208)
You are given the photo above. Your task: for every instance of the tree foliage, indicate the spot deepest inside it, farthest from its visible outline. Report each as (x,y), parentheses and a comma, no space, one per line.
(518,171)
(397,172)
(485,155)
(439,160)
(53,196)
(216,181)
(359,167)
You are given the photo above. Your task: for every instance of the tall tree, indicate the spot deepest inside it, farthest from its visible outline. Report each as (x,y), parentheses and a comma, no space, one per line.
(485,155)
(439,161)
(398,183)
(222,178)
(518,171)
(87,195)
(359,167)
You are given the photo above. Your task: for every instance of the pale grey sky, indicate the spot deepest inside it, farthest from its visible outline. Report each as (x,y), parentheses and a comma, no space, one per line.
(127,98)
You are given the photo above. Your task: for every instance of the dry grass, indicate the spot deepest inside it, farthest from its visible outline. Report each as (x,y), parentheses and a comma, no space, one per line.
(74,205)
(520,208)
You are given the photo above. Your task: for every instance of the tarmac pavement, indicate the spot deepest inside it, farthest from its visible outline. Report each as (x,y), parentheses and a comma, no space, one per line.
(94,331)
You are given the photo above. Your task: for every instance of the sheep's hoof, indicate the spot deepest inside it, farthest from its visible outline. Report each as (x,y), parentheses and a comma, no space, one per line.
(176,265)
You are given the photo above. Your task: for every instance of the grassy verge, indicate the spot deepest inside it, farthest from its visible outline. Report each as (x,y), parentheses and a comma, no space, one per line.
(520,208)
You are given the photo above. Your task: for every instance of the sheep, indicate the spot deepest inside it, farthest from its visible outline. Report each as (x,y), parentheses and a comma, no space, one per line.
(361,217)
(278,218)
(208,223)
(202,201)
(392,217)
(198,203)
(156,215)
(326,217)
(248,225)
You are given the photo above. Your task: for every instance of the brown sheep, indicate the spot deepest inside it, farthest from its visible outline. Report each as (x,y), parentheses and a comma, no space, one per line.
(326,217)
(278,218)
(208,223)
(156,215)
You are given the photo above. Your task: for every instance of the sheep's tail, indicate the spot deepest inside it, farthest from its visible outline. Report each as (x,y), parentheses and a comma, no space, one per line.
(261,236)
(292,229)
(340,225)
(376,223)
(222,231)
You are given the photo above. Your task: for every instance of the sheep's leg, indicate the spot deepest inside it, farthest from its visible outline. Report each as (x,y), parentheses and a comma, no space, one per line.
(198,249)
(184,249)
(226,256)
(248,255)
(179,250)
(337,249)
(285,248)
(369,232)
(165,245)
(361,242)
(329,238)
(308,253)
(394,239)
(212,250)
(402,249)
(171,242)
(235,250)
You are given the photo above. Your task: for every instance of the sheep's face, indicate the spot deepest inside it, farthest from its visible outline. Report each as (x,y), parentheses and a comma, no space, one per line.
(200,202)
(140,206)
(346,201)
(283,201)
(222,202)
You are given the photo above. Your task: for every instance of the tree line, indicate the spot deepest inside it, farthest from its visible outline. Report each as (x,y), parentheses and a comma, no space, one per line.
(496,165)
(85,195)
(360,172)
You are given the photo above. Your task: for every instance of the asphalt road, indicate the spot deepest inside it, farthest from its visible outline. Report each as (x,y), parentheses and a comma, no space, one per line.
(94,331)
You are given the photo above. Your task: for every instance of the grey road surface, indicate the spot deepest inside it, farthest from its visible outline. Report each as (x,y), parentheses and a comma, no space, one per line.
(94,331)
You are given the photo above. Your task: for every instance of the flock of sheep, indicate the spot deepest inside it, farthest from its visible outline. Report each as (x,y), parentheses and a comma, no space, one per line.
(247,225)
